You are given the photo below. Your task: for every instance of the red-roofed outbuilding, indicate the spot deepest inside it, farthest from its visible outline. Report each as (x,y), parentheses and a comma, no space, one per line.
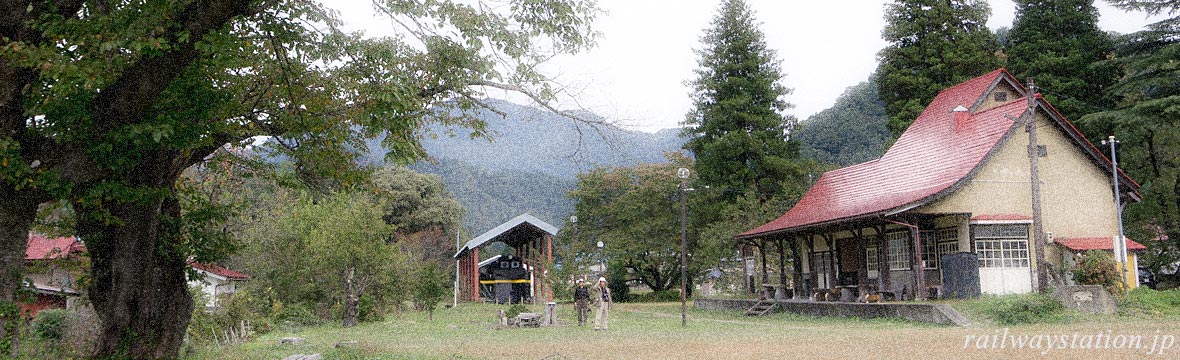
(957,180)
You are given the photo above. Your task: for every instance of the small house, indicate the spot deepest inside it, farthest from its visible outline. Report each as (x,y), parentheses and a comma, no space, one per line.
(215,281)
(52,268)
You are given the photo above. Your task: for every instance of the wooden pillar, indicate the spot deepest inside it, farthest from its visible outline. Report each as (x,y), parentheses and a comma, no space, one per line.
(782,261)
(831,270)
(919,266)
(797,264)
(883,271)
(473,264)
(862,271)
(548,262)
(762,254)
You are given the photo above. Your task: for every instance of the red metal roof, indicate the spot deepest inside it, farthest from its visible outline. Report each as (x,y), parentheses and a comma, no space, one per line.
(41,247)
(1096,243)
(218,270)
(1001,217)
(937,151)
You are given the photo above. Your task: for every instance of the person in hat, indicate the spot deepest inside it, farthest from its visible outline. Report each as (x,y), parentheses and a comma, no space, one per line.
(600,298)
(582,301)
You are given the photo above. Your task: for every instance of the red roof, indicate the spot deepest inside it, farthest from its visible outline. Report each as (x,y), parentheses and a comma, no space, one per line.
(1001,217)
(933,154)
(218,270)
(44,248)
(1096,243)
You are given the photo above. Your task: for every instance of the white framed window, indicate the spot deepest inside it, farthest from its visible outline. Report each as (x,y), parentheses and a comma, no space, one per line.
(936,243)
(872,262)
(899,250)
(1002,245)
(823,266)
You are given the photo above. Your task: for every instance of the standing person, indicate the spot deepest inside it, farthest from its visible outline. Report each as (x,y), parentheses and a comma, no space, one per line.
(601,300)
(582,301)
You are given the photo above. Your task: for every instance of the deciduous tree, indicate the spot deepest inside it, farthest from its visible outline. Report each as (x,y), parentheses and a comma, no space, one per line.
(105,104)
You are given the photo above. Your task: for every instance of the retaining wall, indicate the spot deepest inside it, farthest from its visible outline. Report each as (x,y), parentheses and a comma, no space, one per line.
(931,313)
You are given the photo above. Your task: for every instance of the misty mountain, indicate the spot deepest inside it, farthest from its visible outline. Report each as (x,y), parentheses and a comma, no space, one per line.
(531,162)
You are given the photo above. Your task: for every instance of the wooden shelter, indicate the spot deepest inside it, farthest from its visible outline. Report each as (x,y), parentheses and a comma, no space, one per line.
(532,241)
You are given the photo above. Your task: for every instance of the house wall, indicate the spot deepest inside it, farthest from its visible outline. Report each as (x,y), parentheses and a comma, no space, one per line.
(1076,195)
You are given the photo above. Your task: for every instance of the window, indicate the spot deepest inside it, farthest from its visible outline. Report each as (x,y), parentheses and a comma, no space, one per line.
(1002,246)
(822,263)
(936,243)
(871,262)
(899,250)
(1000,95)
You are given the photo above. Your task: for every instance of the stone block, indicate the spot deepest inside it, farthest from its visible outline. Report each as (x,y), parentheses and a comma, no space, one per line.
(1089,298)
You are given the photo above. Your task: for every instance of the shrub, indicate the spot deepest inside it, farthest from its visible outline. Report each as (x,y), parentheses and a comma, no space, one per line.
(295,316)
(657,296)
(51,323)
(1097,267)
(1024,309)
(515,309)
(1147,301)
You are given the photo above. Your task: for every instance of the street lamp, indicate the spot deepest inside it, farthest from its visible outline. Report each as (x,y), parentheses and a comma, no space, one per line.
(601,263)
(682,173)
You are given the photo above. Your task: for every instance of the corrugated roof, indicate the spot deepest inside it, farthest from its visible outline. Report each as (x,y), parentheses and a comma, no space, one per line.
(1096,243)
(41,247)
(938,150)
(522,220)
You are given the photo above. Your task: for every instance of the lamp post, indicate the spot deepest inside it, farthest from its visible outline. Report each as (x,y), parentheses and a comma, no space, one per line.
(574,238)
(682,173)
(1120,244)
(601,263)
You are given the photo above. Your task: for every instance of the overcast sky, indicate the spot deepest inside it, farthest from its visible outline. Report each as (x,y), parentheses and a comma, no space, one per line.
(636,74)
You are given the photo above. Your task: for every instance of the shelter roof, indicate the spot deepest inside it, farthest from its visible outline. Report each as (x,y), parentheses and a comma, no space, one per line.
(515,232)
(1096,243)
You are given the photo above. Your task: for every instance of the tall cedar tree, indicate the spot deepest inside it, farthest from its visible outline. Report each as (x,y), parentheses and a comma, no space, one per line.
(737,129)
(1058,44)
(933,44)
(1146,120)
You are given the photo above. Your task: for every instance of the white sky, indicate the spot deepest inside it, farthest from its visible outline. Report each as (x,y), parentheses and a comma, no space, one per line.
(636,74)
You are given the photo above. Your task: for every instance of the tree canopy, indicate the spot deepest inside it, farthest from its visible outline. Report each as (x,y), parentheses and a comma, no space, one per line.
(933,44)
(737,128)
(1059,45)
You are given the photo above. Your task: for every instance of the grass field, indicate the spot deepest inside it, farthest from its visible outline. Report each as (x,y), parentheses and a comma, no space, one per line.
(653,331)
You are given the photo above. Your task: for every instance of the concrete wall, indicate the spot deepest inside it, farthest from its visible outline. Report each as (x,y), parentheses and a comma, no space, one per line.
(931,313)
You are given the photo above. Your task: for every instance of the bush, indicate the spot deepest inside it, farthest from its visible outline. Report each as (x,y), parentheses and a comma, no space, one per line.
(1024,309)
(1097,267)
(1154,303)
(295,316)
(515,309)
(657,296)
(51,323)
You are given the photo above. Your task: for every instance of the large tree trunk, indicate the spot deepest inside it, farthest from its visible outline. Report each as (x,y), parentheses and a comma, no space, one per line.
(139,289)
(18,209)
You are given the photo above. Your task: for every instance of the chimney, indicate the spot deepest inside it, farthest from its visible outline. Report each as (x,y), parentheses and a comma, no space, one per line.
(959,117)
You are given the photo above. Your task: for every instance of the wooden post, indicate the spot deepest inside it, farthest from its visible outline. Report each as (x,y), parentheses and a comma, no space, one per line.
(1040,275)
(797,287)
(883,270)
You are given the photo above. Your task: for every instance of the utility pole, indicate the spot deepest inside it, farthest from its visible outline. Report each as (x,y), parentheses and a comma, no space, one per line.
(1040,277)
(1120,243)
